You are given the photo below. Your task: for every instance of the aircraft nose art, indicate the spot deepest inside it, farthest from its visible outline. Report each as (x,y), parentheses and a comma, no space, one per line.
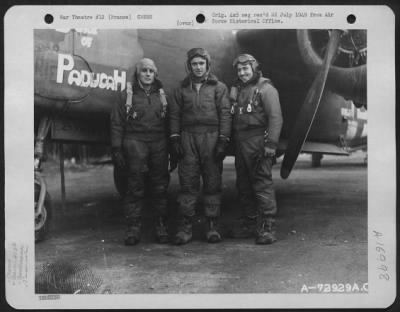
(58,75)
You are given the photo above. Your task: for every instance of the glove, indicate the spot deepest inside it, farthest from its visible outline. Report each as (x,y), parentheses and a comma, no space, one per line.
(176,148)
(222,147)
(269,152)
(118,157)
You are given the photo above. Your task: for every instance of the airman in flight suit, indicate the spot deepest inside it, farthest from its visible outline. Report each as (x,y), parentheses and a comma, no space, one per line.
(257,123)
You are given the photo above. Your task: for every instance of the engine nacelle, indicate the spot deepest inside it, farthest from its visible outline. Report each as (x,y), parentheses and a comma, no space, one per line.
(350,81)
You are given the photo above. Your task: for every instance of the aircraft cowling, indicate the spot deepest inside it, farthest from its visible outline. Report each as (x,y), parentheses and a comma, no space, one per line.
(350,82)
(45,79)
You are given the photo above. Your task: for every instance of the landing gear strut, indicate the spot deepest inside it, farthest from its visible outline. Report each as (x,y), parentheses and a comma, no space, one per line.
(316,160)
(43,209)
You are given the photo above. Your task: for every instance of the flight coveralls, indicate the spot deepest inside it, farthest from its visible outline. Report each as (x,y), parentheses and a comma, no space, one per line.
(257,122)
(140,130)
(200,117)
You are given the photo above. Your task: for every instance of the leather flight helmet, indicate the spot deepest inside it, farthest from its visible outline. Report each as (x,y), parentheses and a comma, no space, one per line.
(247,59)
(198,52)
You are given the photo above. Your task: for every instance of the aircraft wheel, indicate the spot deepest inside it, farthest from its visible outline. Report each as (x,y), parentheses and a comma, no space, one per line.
(120,180)
(42,221)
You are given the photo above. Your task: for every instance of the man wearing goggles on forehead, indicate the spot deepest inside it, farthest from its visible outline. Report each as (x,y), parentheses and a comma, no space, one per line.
(139,146)
(257,123)
(200,126)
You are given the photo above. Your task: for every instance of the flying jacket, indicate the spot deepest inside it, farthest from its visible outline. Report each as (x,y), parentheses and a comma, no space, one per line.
(205,110)
(145,120)
(256,108)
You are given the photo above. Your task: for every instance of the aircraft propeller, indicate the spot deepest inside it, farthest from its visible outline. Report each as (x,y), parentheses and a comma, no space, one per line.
(310,106)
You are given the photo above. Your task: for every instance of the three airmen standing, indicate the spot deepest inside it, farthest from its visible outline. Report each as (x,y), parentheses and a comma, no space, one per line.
(201,115)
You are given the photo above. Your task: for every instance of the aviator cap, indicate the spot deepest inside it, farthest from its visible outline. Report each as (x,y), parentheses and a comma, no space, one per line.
(200,52)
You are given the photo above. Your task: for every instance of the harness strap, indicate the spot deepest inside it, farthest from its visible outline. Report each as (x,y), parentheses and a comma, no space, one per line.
(235,91)
(164,103)
(128,103)
(129,93)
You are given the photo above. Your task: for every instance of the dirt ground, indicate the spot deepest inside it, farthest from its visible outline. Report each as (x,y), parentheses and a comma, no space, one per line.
(321,224)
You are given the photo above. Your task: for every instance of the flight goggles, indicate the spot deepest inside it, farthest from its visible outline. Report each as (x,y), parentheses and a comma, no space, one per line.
(243,59)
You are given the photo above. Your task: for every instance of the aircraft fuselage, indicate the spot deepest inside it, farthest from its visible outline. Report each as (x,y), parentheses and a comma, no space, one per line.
(78,74)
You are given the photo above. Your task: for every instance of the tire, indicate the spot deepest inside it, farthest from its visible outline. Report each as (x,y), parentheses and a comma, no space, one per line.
(42,223)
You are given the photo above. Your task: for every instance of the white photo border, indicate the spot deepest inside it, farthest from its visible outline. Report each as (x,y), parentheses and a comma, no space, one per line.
(19,138)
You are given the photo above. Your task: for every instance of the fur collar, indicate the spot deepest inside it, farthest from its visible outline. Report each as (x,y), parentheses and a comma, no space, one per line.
(211,80)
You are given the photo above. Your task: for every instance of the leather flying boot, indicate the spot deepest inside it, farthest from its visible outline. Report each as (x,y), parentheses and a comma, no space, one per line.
(246,228)
(265,231)
(132,236)
(184,234)
(162,236)
(212,234)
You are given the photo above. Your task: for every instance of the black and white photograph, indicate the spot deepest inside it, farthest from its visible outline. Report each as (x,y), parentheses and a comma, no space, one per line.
(216,159)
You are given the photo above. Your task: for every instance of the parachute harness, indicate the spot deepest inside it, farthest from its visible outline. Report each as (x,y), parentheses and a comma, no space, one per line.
(251,105)
(128,104)
(129,107)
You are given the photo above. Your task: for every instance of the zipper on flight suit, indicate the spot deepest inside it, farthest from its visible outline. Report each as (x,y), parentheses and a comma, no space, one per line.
(197,102)
(148,96)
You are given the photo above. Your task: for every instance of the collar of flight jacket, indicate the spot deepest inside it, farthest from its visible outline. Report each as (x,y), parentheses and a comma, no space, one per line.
(155,86)
(211,80)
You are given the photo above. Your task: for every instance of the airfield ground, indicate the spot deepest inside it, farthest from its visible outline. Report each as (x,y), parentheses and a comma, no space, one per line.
(322,236)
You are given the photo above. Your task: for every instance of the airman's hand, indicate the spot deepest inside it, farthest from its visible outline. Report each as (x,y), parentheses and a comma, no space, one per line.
(176,147)
(118,158)
(221,148)
(269,152)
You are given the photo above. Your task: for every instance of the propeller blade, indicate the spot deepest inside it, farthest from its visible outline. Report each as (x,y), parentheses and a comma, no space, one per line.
(309,108)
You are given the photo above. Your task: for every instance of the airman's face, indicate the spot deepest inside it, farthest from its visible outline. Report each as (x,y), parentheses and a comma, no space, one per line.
(146,75)
(244,72)
(199,66)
